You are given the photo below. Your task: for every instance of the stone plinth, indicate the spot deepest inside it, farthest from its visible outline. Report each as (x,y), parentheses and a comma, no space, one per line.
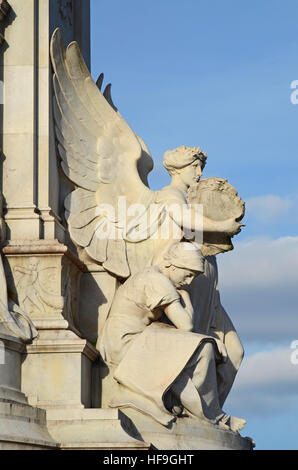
(91,429)
(57,370)
(43,277)
(11,350)
(21,426)
(186,434)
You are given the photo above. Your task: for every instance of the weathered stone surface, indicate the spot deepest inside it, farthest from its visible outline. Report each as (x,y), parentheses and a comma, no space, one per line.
(32,188)
(92,429)
(21,426)
(220,202)
(10,369)
(186,434)
(97,289)
(57,370)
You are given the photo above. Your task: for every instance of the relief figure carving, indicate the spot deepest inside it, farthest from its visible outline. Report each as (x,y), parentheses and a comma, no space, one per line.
(34,287)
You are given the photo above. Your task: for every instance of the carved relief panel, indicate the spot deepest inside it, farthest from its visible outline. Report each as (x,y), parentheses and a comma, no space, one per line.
(44,285)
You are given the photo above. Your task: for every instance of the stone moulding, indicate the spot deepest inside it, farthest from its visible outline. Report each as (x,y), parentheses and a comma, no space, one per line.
(92,429)
(21,426)
(43,277)
(64,342)
(24,428)
(48,377)
(34,247)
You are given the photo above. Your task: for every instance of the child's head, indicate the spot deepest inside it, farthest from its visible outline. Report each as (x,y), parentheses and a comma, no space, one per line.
(182,263)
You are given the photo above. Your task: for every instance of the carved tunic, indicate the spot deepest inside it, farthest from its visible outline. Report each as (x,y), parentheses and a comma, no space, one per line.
(136,305)
(148,355)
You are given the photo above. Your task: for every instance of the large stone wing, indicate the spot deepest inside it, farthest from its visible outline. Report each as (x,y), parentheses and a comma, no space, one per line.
(99,153)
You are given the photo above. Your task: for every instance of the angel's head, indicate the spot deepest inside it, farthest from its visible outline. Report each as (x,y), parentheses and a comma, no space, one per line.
(182,263)
(188,162)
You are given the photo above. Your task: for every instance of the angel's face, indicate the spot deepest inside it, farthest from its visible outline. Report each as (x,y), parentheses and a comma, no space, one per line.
(192,173)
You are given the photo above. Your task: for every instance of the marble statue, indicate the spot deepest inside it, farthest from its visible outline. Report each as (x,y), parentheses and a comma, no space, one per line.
(180,365)
(210,316)
(154,243)
(107,162)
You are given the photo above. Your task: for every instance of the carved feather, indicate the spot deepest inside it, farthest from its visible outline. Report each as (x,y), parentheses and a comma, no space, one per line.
(99,153)
(108,96)
(100,81)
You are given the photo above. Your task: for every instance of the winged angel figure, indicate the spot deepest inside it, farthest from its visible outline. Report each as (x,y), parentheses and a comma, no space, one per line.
(112,213)
(109,165)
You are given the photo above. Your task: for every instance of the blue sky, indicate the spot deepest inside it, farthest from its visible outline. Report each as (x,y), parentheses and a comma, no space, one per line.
(217,75)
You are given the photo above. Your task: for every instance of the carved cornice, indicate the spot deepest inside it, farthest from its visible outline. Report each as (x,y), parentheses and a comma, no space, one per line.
(4,9)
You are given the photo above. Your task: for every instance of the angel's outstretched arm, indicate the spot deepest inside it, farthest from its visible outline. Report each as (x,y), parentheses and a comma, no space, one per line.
(190,219)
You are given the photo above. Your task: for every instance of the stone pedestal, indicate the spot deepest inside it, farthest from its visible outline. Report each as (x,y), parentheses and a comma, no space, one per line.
(186,434)
(11,350)
(43,277)
(57,370)
(21,426)
(92,429)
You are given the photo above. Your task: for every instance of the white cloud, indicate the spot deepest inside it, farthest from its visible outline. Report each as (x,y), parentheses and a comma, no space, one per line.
(265,368)
(259,288)
(268,208)
(266,383)
(261,262)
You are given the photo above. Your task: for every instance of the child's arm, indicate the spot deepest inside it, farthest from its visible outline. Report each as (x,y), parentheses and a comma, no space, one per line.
(186,302)
(180,317)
